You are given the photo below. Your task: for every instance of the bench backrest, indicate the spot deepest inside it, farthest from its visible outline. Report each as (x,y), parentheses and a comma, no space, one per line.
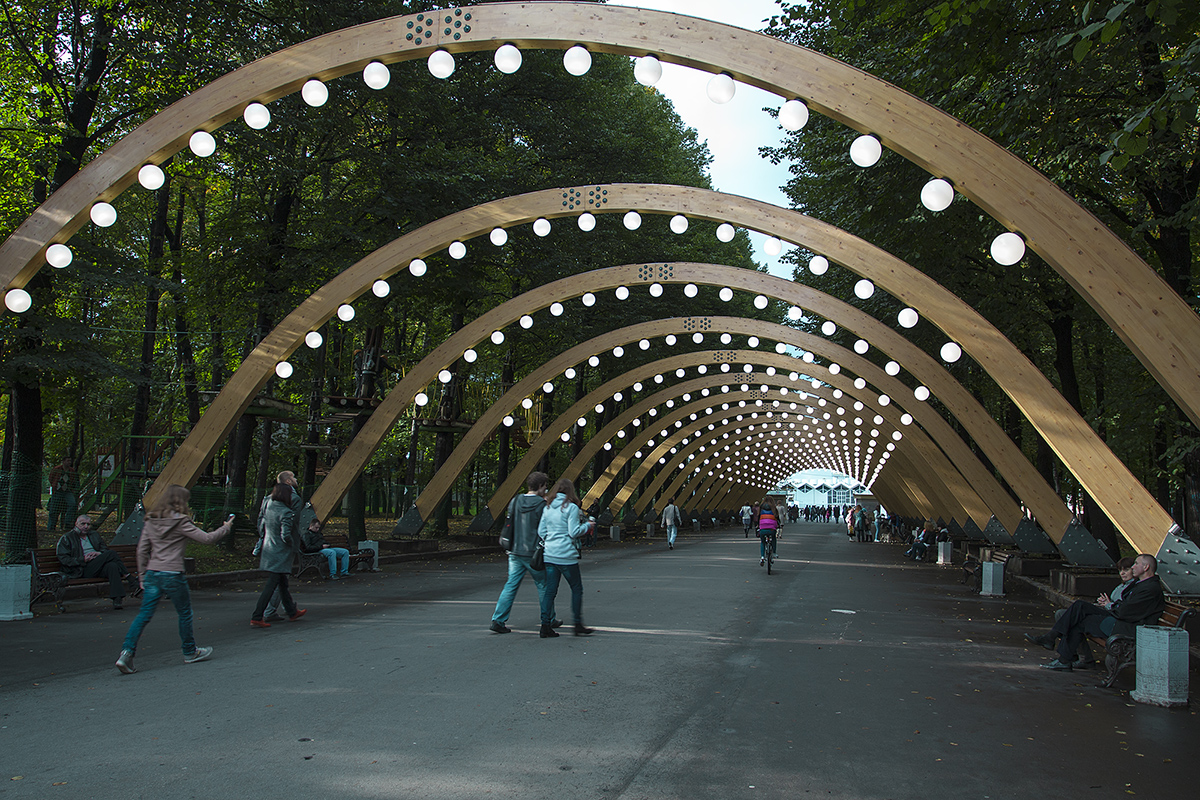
(45,559)
(1174,615)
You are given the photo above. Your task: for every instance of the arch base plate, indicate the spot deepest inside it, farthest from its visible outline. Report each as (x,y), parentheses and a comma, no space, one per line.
(1179,564)
(408,525)
(1082,549)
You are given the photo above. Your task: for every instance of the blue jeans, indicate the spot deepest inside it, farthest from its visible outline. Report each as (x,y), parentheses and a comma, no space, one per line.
(174,586)
(334,554)
(765,535)
(517,567)
(672,532)
(571,573)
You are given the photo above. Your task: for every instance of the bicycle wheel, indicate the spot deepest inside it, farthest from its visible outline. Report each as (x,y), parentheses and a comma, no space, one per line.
(770,556)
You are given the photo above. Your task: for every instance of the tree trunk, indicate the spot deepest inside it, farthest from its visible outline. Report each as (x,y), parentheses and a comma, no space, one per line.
(25,481)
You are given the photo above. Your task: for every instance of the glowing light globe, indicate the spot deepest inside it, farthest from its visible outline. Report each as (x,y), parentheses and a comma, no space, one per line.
(151,177)
(440,64)
(793,115)
(865,150)
(202,144)
(721,88)
(376,75)
(507,58)
(937,195)
(818,265)
(315,93)
(577,60)
(647,70)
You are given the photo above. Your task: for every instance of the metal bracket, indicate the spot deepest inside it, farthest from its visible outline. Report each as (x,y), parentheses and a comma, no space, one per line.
(1032,539)
(129,531)
(483,521)
(996,533)
(1082,549)
(408,525)
(1179,563)
(972,530)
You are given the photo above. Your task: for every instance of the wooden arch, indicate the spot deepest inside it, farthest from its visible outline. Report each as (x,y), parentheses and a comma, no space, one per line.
(959,496)
(1102,268)
(1013,465)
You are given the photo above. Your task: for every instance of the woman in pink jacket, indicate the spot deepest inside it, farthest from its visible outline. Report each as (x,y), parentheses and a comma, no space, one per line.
(165,535)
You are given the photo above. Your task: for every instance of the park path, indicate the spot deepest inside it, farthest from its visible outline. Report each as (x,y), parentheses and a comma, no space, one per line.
(850,673)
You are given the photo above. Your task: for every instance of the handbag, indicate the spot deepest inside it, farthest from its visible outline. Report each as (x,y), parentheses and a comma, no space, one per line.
(538,561)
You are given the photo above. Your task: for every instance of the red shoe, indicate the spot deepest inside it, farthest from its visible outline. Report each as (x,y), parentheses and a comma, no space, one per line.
(299,613)
(258,623)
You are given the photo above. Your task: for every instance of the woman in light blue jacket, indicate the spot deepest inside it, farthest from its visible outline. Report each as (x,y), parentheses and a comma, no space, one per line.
(562,525)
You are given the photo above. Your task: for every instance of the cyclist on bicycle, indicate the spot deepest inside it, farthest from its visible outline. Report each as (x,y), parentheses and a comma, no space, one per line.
(768,528)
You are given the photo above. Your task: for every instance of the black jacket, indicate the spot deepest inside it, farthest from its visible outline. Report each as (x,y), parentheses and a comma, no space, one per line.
(70,552)
(1141,604)
(526,513)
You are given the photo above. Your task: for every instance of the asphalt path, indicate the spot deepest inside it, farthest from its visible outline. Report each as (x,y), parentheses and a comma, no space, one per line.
(849,673)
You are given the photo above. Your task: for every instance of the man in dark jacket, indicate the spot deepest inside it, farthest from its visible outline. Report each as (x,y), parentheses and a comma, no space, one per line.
(520,532)
(83,554)
(1141,604)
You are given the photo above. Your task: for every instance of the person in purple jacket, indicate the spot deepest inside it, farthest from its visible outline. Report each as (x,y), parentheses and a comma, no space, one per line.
(160,549)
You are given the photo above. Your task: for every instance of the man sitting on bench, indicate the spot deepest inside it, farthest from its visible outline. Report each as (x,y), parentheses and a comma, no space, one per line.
(1141,604)
(84,555)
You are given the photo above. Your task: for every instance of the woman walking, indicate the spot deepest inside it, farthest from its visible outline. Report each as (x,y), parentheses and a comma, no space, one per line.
(562,525)
(160,563)
(279,549)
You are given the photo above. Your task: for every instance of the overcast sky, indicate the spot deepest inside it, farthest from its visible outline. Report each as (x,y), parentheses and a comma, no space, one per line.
(734,131)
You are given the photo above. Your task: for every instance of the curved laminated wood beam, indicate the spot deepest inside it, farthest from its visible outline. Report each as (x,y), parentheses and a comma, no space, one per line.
(1000,503)
(958,497)
(1092,259)
(1131,507)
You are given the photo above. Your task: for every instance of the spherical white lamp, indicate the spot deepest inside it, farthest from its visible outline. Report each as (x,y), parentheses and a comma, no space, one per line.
(1008,249)
(381,288)
(721,88)
(795,314)
(691,290)
(497,337)
(622,292)
(587,221)
(284,369)
(772,246)
(726,294)
(257,116)
(315,93)
(726,338)
(526,321)
(753,342)
(508,420)
(697,337)
(593,361)
(937,195)
(547,387)
(151,177)
(883,401)
(818,265)
(103,214)
(507,58)
(445,376)
(647,70)
(202,144)
(644,344)
(498,236)
(345,312)
(828,327)
(656,290)
(906,419)
(440,64)
(618,351)
(577,60)
(861,347)
(908,317)
(632,220)
(421,399)
(541,226)
(835,368)
(760,302)
(376,75)
(725,232)
(865,150)
(17,301)
(313,340)
(670,339)
(951,352)
(679,223)
(864,289)
(921,393)
(891,368)
(457,250)
(556,309)
(589,299)
(470,356)
(417,267)
(793,115)
(860,384)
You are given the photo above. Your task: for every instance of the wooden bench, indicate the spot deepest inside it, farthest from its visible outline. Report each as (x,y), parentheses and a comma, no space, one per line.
(48,580)
(1121,649)
(319,562)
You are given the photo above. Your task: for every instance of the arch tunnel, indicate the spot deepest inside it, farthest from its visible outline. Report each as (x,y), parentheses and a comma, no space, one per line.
(1101,268)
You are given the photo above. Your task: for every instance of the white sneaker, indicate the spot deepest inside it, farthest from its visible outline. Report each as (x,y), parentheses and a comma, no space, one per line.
(125,662)
(201,654)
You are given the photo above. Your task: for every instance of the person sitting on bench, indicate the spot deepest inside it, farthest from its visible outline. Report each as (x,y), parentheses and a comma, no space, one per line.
(314,542)
(1084,656)
(1140,604)
(83,554)
(920,545)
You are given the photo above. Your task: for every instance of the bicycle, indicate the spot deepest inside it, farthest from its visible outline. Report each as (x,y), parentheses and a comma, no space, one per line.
(769,537)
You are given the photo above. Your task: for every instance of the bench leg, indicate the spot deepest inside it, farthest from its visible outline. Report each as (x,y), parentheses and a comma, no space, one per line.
(1121,653)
